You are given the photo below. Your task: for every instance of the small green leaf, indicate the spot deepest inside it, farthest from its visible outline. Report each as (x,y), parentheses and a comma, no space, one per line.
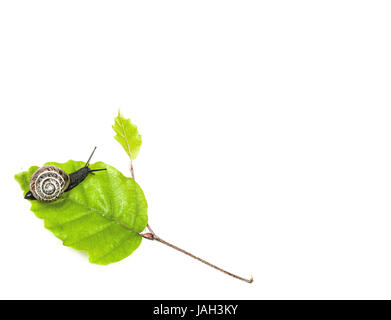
(127,135)
(99,216)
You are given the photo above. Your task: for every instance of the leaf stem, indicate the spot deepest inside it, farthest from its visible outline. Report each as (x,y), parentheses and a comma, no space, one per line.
(131,169)
(132,174)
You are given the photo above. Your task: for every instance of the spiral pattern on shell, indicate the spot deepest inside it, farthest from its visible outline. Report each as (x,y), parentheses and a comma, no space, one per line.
(48,183)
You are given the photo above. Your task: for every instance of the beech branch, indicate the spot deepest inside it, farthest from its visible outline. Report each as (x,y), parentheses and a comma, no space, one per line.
(152,236)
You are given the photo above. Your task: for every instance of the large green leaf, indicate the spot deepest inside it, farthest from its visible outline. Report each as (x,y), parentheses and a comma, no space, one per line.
(127,135)
(99,216)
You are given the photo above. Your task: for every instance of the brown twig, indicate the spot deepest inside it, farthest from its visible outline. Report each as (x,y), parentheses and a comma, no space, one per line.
(199,259)
(152,236)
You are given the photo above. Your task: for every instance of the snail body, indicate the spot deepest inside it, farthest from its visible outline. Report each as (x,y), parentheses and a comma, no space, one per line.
(48,183)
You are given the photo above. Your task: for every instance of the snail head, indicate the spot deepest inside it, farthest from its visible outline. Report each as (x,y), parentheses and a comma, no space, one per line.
(29,196)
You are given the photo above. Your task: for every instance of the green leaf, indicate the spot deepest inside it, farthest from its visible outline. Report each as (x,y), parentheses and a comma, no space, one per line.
(99,216)
(127,135)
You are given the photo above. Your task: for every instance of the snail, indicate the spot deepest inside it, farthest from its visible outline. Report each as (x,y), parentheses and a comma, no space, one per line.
(48,183)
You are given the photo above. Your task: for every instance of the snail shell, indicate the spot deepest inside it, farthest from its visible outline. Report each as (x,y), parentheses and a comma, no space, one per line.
(48,183)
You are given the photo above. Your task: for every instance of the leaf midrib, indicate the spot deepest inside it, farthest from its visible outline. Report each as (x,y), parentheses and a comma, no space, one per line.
(126,139)
(94,211)
(103,215)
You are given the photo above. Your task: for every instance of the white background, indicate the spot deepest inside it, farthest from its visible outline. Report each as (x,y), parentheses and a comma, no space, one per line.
(266,143)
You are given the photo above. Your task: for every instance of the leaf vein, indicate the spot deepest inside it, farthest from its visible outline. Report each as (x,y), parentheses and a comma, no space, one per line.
(126,238)
(107,226)
(126,139)
(70,221)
